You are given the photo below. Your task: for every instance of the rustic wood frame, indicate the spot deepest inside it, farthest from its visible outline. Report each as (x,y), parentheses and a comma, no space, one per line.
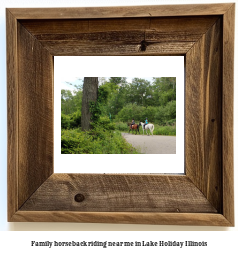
(204,34)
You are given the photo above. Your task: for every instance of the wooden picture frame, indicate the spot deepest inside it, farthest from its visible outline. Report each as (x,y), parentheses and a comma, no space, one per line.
(204,34)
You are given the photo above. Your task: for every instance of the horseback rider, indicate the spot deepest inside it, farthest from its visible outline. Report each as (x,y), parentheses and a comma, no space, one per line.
(146,122)
(133,122)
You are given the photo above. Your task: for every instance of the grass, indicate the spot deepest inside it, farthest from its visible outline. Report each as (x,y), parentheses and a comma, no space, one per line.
(104,138)
(167,130)
(97,141)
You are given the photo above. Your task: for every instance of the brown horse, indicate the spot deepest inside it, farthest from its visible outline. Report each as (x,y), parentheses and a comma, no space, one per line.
(135,127)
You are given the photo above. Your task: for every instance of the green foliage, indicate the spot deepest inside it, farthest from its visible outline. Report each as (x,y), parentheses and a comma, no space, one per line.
(160,115)
(105,123)
(122,126)
(169,129)
(97,141)
(165,83)
(166,97)
(171,122)
(75,142)
(102,139)
(131,111)
(170,110)
(164,90)
(139,92)
(122,101)
(117,80)
(117,88)
(101,128)
(75,119)
(96,107)
(150,113)
(71,121)
(65,121)
(166,114)
(71,101)
(165,130)
(103,92)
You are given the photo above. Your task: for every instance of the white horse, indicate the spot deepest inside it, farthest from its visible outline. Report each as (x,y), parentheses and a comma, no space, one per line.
(149,126)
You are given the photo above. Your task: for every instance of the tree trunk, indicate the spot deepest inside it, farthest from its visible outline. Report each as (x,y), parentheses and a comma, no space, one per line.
(90,92)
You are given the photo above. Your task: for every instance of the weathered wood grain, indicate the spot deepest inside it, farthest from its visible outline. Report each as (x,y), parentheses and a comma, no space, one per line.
(114,193)
(121,11)
(75,49)
(12,116)
(35,35)
(227,113)
(178,25)
(191,219)
(119,36)
(78,26)
(204,115)
(35,111)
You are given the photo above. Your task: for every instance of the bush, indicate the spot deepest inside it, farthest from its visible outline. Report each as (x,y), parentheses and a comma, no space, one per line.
(160,115)
(171,122)
(102,139)
(75,142)
(131,111)
(78,142)
(165,130)
(75,119)
(122,126)
(170,110)
(105,123)
(169,129)
(166,114)
(71,121)
(150,113)
(65,121)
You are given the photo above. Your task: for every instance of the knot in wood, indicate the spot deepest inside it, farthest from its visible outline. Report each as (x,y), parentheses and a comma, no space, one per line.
(79,198)
(143,45)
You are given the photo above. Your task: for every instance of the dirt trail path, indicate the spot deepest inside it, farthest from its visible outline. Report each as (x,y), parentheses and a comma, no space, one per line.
(152,144)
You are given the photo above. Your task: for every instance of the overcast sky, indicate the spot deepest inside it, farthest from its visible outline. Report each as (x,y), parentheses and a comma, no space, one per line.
(74,80)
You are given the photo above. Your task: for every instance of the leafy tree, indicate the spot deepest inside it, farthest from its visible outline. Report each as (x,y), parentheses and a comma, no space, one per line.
(118,81)
(165,83)
(116,87)
(70,101)
(120,100)
(163,91)
(131,111)
(65,121)
(66,101)
(166,113)
(97,106)
(139,91)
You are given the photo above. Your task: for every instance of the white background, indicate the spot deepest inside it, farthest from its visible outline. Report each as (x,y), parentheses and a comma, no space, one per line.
(20,241)
(120,66)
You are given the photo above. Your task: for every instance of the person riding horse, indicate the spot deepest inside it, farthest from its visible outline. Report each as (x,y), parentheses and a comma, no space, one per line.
(146,122)
(132,123)
(134,126)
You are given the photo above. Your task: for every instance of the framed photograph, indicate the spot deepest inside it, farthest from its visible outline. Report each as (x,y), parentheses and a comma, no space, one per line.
(202,195)
(128,96)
